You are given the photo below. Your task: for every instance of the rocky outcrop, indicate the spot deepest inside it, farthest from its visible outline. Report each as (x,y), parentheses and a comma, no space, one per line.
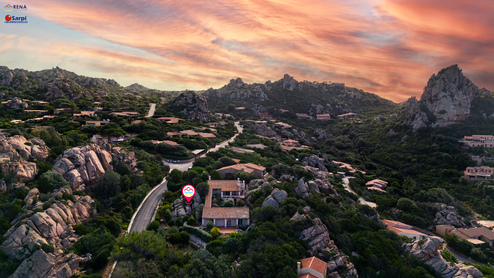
(301,189)
(447,215)
(447,99)
(178,209)
(320,244)
(191,105)
(17,103)
(275,198)
(315,161)
(81,166)
(428,252)
(41,264)
(15,153)
(52,227)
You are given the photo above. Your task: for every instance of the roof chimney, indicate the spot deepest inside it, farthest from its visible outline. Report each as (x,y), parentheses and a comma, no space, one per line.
(238,182)
(298,268)
(209,177)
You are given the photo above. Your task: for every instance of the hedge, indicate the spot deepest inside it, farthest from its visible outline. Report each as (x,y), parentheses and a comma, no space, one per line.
(203,235)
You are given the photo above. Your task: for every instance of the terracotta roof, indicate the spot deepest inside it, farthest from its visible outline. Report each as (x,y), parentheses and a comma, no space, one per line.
(397,224)
(315,263)
(477,232)
(224,185)
(254,166)
(206,135)
(226,212)
(189,132)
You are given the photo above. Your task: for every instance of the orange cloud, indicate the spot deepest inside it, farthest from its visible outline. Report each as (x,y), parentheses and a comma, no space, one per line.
(388,47)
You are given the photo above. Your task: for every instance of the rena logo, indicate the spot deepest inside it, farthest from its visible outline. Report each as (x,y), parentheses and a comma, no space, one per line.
(8,18)
(10,8)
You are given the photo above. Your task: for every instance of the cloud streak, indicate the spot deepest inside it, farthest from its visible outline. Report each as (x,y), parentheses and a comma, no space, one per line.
(387,47)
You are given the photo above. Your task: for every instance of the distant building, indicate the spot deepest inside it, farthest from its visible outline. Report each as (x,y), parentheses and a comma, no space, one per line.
(39,102)
(36,111)
(266,116)
(84,114)
(206,135)
(486,141)
(394,115)
(240,108)
(225,216)
(349,167)
(241,150)
(312,268)
(257,146)
(169,120)
(323,117)
(303,116)
(189,132)
(479,173)
(125,114)
(174,134)
(96,123)
(282,125)
(62,110)
(476,236)
(377,185)
(249,168)
(403,229)
(136,122)
(291,143)
(215,124)
(347,116)
(167,142)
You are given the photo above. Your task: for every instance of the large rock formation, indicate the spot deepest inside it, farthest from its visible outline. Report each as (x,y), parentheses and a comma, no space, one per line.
(191,105)
(447,99)
(447,215)
(275,198)
(84,165)
(15,153)
(428,252)
(51,227)
(17,103)
(320,245)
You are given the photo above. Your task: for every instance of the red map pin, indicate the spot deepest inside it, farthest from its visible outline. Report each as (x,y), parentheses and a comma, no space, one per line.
(188,191)
(8,17)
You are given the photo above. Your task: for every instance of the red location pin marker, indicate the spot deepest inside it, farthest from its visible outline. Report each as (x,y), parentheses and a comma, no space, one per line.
(188,191)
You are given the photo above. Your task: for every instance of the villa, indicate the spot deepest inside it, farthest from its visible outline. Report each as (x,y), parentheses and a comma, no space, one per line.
(312,268)
(479,173)
(249,168)
(403,229)
(479,141)
(225,216)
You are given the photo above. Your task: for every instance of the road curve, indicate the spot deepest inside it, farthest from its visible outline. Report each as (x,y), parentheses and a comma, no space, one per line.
(145,213)
(362,201)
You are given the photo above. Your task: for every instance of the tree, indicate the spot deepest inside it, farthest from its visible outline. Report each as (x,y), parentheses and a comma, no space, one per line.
(51,180)
(108,185)
(215,232)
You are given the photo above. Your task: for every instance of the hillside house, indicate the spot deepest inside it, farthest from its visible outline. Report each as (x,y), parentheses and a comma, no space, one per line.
(476,236)
(189,132)
(323,117)
(479,173)
(486,141)
(84,114)
(241,150)
(282,125)
(311,268)
(174,134)
(347,116)
(170,120)
(96,123)
(249,168)
(266,116)
(403,229)
(377,185)
(125,114)
(225,216)
(302,116)
(206,135)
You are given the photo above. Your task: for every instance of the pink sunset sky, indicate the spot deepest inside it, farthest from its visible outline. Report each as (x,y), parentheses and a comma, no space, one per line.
(386,47)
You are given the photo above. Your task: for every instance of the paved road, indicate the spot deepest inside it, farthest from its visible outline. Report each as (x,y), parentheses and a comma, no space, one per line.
(346,185)
(152,108)
(147,210)
(185,166)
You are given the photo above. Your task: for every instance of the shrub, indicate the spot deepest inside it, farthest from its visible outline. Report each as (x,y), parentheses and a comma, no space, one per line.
(179,238)
(47,248)
(215,232)
(153,226)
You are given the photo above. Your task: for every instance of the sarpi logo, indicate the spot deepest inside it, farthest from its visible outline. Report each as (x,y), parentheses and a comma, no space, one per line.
(15,19)
(10,8)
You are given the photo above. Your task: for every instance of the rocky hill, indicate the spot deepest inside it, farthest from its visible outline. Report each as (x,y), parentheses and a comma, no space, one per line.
(448,98)
(297,97)
(190,105)
(17,155)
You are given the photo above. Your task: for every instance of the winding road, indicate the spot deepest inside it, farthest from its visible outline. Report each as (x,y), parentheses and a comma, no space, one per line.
(147,210)
(185,166)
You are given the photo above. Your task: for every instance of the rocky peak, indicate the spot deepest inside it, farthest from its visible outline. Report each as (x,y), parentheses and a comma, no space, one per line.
(447,99)
(289,83)
(236,83)
(191,105)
